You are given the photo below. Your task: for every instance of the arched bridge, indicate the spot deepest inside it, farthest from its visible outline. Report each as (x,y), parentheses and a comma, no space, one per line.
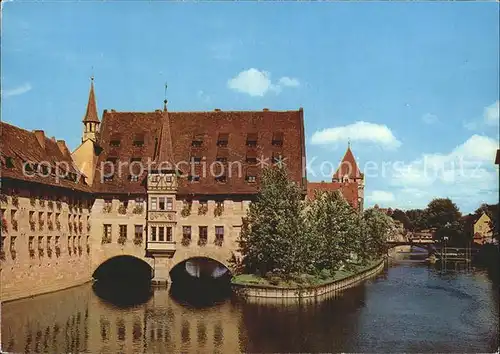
(160,264)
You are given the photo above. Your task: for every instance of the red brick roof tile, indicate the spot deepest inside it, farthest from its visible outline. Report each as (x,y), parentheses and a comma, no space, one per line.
(91,113)
(206,127)
(349,190)
(21,146)
(348,166)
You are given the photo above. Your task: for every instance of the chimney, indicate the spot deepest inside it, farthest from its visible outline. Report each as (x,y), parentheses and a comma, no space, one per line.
(217,110)
(40,136)
(61,144)
(266,109)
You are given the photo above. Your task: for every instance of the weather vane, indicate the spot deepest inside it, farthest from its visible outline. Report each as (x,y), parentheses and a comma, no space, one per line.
(165,101)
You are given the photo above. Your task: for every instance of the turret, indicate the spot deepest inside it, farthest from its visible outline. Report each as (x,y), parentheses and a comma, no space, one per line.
(91,120)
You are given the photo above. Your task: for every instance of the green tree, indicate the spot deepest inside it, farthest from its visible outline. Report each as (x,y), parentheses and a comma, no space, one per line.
(378,228)
(444,215)
(274,237)
(403,218)
(334,229)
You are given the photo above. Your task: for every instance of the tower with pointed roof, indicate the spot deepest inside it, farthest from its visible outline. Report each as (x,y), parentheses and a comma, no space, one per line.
(91,119)
(348,172)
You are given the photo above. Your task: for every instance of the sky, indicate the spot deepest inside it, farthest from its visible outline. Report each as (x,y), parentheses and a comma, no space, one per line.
(413,86)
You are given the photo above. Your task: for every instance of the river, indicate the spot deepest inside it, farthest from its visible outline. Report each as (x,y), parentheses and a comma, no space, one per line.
(410,307)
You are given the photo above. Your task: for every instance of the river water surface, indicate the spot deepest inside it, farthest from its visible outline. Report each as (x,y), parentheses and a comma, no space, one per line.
(410,307)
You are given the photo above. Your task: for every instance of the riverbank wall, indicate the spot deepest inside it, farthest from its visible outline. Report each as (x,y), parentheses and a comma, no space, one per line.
(307,292)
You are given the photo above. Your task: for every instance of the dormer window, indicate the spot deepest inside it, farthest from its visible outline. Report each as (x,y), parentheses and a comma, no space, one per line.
(277,139)
(223,139)
(222,159)
(109,178)
(252,139)
(139,140)
(197,140)
(251,178)
(115,140)
(112,160)
(251,175)
(133,178)
(135,159)
(196,159)
(193,178)
(251,157)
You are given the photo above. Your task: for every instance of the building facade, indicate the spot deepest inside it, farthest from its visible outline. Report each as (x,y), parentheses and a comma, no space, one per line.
(160,186)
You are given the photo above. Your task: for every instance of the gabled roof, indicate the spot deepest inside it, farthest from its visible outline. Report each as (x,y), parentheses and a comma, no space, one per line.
(348,166)
(349,190)
(173,133)
(91,113)
(21,146)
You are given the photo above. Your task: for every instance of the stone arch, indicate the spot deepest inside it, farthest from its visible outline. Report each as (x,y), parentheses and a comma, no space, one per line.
(224,258)
(136,264)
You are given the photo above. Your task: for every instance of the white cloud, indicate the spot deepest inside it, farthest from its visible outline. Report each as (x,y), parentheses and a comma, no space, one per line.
(467,173)
(429,118)
(490,118)
(360,131)
(258,83)
(17,90)
(491,115)
(380,197)
(290,82)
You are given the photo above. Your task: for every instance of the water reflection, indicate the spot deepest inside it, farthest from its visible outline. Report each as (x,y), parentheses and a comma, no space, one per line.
(409,308)
(123,295)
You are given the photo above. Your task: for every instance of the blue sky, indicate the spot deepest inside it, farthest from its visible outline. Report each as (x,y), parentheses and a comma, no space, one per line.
(415,83)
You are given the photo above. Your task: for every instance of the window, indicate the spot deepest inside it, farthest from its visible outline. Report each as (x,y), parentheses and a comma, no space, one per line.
(154,205)
(153,233)
(221,159)
(57,241)
(161,234)
(170,203)
(219,232)
(123,231)
(203,231)
(251,159)
(13,244)
(252,139)
(277,139)
(133,178)
(135,159)
(107,232)
(186,232)
(114,143)
(108,202)
(49,241)
(112,160)
(162,203)
(168,179)
(197,140)
(196,159)
(195,178)
(108,178)
(40,242)
(169,234)
(138,231)
(31,243)
(223,139)
(139,140)
(251,178)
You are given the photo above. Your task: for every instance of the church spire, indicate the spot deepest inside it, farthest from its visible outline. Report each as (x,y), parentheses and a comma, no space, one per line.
(91,119)
(91,114)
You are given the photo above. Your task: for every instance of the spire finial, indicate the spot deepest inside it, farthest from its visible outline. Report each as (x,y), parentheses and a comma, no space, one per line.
(165,101)
(348,143)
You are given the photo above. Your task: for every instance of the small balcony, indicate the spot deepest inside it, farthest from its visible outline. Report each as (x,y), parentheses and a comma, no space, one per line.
(161,247)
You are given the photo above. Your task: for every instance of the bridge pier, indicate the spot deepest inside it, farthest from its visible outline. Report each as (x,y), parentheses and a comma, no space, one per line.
(161,271)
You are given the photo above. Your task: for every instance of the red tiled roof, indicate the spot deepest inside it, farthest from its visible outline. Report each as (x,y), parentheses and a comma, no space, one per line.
(348,167)
(22,146)
(91,113)
(348,190)
(206,127)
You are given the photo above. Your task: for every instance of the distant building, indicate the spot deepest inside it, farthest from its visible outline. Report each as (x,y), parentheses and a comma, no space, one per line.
(348,180)
(478,227)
